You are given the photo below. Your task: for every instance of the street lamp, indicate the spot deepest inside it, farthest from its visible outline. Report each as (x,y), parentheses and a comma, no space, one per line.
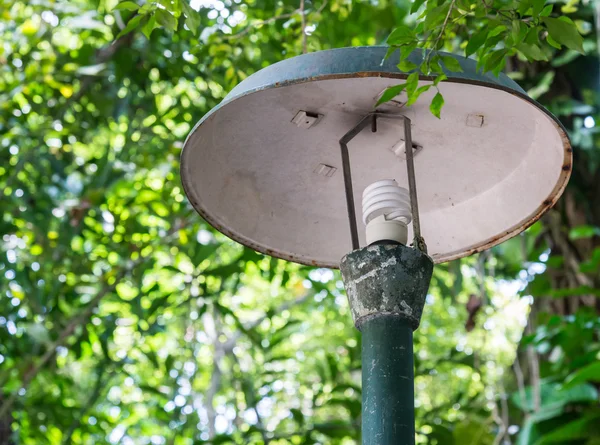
(280,163)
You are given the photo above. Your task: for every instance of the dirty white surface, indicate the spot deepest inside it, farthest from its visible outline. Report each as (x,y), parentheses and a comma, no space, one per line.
(487,168)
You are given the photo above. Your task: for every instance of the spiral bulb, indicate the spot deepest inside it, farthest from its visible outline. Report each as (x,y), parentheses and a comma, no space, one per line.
(386,211)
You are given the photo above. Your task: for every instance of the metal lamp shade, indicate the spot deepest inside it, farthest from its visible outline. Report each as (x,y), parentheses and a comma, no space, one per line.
(264,167)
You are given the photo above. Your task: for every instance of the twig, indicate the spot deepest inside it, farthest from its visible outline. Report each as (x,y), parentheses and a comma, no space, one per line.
(534,371)
(303,25)
(520,383)
(441,34)
(534,365)
(481,259)
(320,10)
(571,261)
(439,37)
(119,20)
(501,419)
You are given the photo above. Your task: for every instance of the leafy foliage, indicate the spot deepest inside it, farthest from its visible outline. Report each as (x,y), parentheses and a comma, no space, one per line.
(491,31)
(126,319)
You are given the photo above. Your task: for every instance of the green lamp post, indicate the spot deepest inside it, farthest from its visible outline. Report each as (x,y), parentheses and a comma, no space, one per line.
(280,163)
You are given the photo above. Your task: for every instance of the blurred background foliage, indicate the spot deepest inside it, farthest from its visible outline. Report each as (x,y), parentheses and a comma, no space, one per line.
(126,319)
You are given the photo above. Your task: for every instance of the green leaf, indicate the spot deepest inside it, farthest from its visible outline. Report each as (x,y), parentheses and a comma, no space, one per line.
(127,6)
(553,42)
(589,373)
(406,66)
(149,26)
(434,65)
(570,7)
(564,32)
(566,57)
(452,64)
(516,27)
(147,8)
(555,261)
(412,81)
(131,25)
(592,264)
(352,405)
(192,18)
(537,7)
(543,86)
(533,35)
(297,415)
(413,98)
(436,15)
(555,397)
(585,231)
(416,5)
(439,78)
(476,41)
(390,93)
(406,50)
(335,429)
(166,19)
(442,434)
(532,52)
(524,6)
(528,434)
(546,11)
(401,35)
(577,429)
(497,31)
(473,431)
(436,105)
(495,60)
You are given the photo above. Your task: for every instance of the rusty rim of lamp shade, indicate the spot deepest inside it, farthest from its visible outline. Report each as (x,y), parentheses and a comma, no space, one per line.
(264,166)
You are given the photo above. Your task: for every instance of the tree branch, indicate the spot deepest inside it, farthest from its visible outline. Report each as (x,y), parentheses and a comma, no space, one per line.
(520,381)
(303,25)
(534,372)
(443,29)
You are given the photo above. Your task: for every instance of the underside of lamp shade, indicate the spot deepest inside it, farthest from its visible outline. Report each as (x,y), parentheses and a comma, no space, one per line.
(264,167)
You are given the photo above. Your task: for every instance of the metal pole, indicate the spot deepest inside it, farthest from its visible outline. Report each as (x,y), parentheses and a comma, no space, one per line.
(388,413)
(386,286)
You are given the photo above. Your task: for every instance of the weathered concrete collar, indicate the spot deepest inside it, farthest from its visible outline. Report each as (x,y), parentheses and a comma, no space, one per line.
(387,280)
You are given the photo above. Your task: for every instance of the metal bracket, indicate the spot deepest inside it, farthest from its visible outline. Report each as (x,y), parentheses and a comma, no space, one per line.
(371,119)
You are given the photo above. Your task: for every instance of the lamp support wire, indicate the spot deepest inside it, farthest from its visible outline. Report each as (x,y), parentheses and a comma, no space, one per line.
(371,119)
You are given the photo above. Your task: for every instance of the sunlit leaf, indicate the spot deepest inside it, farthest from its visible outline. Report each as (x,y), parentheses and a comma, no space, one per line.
(436,105)
(564,32)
